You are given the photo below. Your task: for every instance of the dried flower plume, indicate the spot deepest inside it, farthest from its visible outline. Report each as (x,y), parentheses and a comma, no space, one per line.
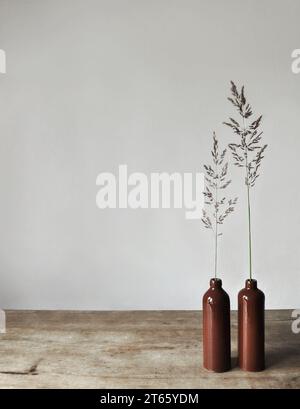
(248,152)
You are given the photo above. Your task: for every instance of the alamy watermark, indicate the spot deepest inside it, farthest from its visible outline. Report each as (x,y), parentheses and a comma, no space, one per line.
(158,190)
(296,321)
(2,322)
(2,62)
(296,61)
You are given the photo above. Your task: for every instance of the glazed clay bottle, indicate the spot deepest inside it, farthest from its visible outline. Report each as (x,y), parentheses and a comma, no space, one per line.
(216,328)
(251,327)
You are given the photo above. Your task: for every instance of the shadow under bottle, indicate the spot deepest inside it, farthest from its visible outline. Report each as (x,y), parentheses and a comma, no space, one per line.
(216,328)
(251,327)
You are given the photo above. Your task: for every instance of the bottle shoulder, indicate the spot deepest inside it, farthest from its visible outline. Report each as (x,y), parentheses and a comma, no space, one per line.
(214,295)
(251,293)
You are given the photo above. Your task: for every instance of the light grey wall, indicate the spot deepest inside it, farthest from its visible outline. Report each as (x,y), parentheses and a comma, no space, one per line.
(92,84)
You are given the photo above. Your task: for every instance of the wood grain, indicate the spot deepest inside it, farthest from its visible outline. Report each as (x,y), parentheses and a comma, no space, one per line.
(133,349)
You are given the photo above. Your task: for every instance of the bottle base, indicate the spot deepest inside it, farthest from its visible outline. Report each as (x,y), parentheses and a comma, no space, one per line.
(217,370)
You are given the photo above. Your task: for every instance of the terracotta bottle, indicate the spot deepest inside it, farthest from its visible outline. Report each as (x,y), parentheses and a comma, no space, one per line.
(251,331)
(216,328)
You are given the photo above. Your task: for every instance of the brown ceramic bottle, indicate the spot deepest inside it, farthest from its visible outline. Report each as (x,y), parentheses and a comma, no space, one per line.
(251,331)
(216,328)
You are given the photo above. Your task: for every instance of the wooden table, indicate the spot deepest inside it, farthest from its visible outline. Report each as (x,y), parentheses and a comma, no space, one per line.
(133,349)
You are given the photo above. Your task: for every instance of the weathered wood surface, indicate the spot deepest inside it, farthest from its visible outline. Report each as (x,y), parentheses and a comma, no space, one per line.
(63,349)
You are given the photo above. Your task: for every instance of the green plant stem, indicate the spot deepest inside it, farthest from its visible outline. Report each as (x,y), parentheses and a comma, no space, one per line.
(216,225)
(249,227)
(216,244)
(248,211)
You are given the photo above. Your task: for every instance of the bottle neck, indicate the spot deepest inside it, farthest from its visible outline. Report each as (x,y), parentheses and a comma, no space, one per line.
(215,283)
(251,284)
